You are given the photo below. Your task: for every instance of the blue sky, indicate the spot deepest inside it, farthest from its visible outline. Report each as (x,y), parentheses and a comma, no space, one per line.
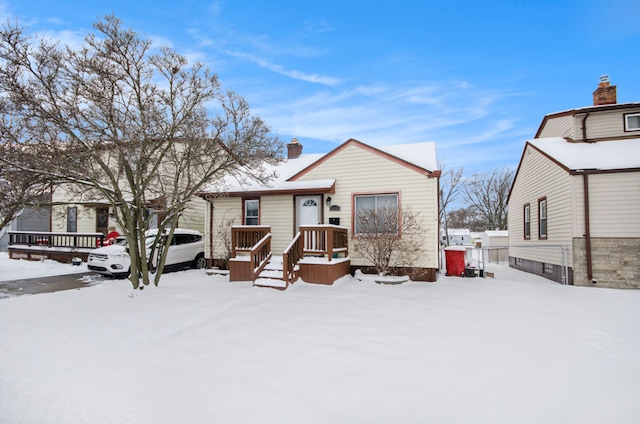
(476,77)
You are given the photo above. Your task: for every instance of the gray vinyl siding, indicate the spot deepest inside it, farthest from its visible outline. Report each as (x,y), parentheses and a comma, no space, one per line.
(561,126)
(614,205)
(603,125)
(539,177)
(34,219)
(599,125)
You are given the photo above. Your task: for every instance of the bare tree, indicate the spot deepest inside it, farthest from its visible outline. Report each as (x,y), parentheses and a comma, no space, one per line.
(119,122)
(487,197)
(451,186)
(223,235)
(464,218)
(380,240)
(19,190)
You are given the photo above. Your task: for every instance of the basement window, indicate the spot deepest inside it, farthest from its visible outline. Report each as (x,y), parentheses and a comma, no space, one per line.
(547,268)
(632,122)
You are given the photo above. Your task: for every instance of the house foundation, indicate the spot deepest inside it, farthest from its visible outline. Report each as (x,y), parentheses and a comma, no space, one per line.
(615,262)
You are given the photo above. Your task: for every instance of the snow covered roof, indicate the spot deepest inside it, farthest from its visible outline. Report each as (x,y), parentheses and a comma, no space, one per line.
(497,233)
(603,155)
(419,154)
(458,231)
(422,155)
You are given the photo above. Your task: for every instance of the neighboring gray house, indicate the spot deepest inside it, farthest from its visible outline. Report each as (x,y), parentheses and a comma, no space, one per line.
(574,202)
(29,219)
(457,237)
(492,238)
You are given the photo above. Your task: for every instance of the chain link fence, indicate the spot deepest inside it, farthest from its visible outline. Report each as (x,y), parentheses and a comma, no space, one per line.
(541,263)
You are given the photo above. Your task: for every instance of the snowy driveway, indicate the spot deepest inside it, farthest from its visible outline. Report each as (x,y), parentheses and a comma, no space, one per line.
(199,349)
(44,284)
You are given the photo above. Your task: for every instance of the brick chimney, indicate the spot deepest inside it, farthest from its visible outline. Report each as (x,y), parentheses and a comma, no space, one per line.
(294,149)
(605,94)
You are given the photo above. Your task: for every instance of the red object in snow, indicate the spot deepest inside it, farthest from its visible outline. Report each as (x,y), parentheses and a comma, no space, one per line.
(112,236)
(454,257)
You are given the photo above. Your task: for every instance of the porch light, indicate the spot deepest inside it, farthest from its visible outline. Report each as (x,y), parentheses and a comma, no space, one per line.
(328,201)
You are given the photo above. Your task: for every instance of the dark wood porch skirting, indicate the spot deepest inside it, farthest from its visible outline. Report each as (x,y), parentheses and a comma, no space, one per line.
(429,275)
(33,253)
(323,271)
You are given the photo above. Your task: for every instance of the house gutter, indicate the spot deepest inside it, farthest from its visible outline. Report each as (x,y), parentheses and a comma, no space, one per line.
(587,235)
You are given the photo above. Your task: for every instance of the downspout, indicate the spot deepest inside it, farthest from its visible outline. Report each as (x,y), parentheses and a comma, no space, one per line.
(587,235)
(584,127)
(210,258)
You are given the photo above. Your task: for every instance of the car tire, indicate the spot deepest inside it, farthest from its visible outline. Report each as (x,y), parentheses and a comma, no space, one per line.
(200,262)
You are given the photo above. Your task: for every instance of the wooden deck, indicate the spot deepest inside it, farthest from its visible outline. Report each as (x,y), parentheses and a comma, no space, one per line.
(323,271)
(61,247)
(317,254)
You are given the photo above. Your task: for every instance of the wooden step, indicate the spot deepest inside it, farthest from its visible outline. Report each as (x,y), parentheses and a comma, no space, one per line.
(271,273)
(270,282)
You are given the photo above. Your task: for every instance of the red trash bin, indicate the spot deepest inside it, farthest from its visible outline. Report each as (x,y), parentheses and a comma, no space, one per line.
(454,258)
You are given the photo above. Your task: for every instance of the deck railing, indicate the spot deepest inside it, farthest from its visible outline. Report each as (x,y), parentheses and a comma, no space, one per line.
(290,258)
(259,255)
(49,239)
(244,237)
(324,240)
(250,251)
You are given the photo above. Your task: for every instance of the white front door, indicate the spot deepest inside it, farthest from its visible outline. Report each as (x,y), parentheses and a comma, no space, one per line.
(308,210)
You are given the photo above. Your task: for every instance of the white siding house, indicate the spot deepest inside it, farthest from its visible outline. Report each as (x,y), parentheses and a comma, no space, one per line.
(94,216)
(325,189)
(457,237)
(575,200)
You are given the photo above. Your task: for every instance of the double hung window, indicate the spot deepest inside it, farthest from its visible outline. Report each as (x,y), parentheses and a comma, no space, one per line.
(527,221)
(632,122)
(251,212)
(542,218)
(376,214)
(72,220)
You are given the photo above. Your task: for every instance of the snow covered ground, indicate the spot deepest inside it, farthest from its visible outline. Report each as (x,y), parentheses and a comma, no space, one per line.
(199,349)
(14,269)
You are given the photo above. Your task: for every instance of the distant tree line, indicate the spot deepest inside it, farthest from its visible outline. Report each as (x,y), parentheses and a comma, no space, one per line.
(477,202)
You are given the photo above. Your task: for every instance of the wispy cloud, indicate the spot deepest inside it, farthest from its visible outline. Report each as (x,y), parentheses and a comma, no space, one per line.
(303,76)
(388,114)
(73,39)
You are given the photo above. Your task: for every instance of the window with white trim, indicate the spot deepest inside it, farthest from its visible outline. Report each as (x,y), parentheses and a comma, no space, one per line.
(376,214)
(527,221)
(251,212)
(542,218)
(632,122)
(72,219)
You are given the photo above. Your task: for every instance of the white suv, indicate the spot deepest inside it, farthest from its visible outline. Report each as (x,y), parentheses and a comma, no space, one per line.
(186,249)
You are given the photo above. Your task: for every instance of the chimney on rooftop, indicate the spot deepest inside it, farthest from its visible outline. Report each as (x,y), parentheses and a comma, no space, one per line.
(605,94)
(294,149)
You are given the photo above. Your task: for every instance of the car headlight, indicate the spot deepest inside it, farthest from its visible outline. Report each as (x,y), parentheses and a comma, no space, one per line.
(120,256)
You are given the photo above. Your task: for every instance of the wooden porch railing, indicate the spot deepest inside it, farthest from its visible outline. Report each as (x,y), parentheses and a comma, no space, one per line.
(260,255)
(324,240)
(244,237)
(48,239)
(290,258)
(251,250)
(253,243)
